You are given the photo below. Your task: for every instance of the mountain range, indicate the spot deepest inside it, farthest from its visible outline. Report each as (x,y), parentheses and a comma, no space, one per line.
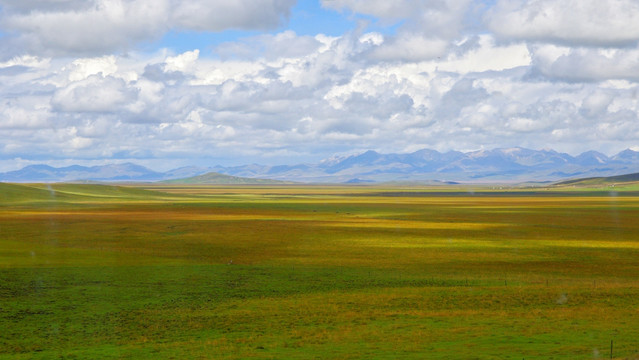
(497,165)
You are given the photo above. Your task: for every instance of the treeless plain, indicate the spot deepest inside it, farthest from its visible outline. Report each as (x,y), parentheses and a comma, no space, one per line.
(343,272)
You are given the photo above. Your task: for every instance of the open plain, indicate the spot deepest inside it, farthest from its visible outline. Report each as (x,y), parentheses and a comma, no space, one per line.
(331,272)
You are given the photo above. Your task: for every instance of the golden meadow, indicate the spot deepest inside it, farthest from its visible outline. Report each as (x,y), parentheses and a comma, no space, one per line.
(330,272)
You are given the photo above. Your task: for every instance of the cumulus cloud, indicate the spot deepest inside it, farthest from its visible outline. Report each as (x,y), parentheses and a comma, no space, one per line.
(568,22)
(103,26)
(216,15)
(427,28)
(25,6)
(19,116)
(486,55)
(258,109)
(183,62)
(464,93)
(83,68)
(436,82)
(596,104)
(94,94)
(26,61)
(410,47)
(586,64)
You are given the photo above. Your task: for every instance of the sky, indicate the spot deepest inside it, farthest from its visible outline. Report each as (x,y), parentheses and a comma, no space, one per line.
(168,83)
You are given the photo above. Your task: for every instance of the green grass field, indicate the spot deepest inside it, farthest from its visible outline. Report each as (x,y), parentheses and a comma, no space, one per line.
(303,272)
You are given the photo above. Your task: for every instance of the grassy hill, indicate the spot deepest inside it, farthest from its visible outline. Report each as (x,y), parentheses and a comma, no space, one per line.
(102,191)
(30,193)
(214,178)
(609,180)
(11,193)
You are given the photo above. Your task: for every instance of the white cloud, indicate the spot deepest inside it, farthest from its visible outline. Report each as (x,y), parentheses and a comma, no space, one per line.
(26,6)
(410,47)
(525,125)
(102,26)
(426,32)
(107,25)
(183,62)
(94,94)
(568,22)
(488,56)
(216,15)
(81,69)
(20,117)
(78,143)
(596,104)
(373,38)
(28,61)
(586,64)
(282,94)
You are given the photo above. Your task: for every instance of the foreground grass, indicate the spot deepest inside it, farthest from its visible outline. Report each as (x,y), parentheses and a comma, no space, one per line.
(309,272)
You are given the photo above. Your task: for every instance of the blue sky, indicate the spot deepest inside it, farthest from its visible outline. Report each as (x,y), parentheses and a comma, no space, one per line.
(204,82)
(306,18)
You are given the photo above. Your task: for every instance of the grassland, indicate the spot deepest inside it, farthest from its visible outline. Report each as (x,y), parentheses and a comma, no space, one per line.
(619,180)
(299,272)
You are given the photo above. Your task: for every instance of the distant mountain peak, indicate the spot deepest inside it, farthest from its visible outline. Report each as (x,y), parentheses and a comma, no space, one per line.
(426,165)
(109,172)
(628,152)
(627,156)
(369,153)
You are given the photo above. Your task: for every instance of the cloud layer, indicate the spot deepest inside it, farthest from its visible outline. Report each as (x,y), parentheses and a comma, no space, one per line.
(453,75)
(568,22)
(102,26)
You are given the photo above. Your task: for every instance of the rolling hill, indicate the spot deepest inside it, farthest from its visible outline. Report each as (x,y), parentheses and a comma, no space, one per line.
(213,178)
(12,193)
(56,193)
(607,180)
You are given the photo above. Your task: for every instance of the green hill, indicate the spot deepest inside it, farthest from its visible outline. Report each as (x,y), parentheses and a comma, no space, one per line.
(619,179)
(11,193)
(214,178)
(22,193)
(102,191)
